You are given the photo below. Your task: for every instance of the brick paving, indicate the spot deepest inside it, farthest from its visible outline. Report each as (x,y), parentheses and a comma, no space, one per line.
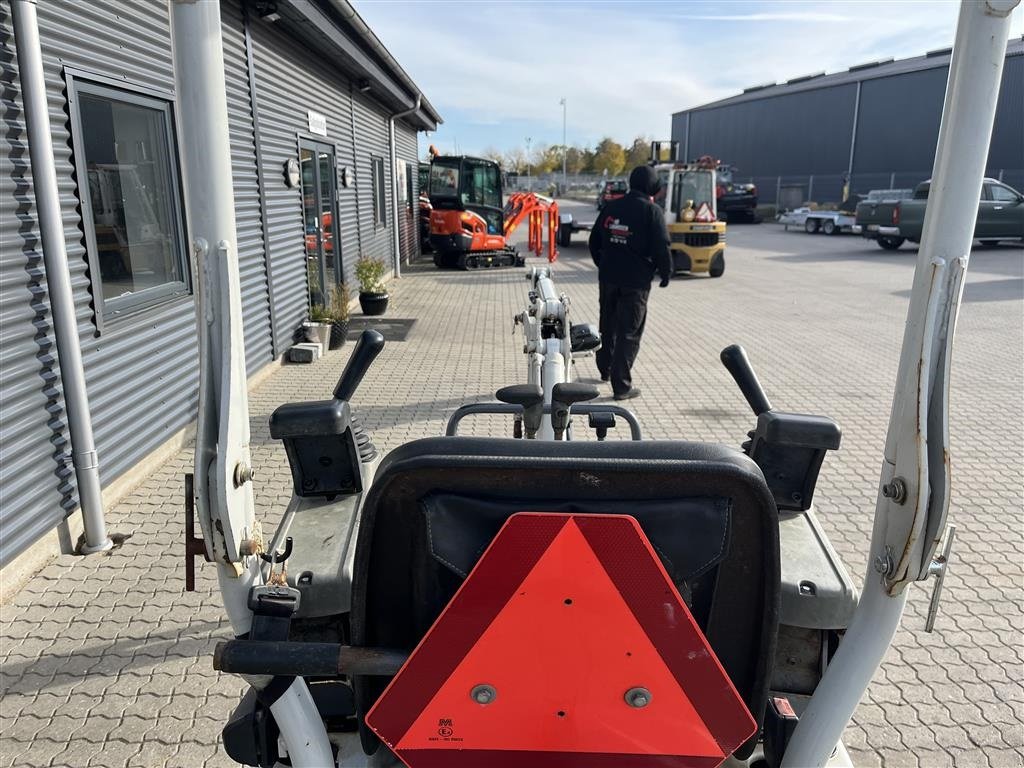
(106,662)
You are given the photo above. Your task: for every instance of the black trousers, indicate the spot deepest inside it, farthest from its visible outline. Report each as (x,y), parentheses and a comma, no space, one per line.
(623,314)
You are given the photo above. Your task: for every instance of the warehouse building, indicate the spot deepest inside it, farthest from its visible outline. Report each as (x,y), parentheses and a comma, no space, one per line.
(875,125)
(324,138)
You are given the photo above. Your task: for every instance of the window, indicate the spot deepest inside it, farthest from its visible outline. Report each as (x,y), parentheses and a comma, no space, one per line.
(131,203)
(1001,194)
(380,218)
(444,178)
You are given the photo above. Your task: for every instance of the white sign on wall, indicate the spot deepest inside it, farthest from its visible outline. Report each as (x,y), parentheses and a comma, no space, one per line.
(317,123)
(401,172)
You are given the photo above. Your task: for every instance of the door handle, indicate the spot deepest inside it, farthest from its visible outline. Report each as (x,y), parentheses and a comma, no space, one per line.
(997,208)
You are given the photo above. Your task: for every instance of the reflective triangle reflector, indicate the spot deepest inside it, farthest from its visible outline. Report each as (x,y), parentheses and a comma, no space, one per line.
(567,646)
(704,213)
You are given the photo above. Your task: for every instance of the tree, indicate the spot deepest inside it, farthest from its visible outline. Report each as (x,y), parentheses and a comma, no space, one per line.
(496,155)
(609,157)
(575,161)
(550,160)
(639,153)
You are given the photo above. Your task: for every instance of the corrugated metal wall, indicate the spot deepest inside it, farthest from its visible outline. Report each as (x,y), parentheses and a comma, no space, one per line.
(141,372)
(805,132)
(248,215)
(286,87)
(35,493)
(371,140)
(407,148)
(809,132)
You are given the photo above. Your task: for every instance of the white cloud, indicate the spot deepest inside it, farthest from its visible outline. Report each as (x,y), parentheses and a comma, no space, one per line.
(624,69)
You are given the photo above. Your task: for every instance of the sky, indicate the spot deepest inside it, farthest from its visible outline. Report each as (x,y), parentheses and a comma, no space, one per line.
(496,71)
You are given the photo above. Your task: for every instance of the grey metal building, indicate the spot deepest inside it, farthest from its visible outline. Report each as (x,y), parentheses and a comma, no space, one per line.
(877,124)
(311,91)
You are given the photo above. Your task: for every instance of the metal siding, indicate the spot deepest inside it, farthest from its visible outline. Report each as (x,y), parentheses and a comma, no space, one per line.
(248,215)
(371,140)
(142,372)
(797,133)
(764,137)
(1007,151)
(893,137)
(34,467)
(286,87)
(407,148)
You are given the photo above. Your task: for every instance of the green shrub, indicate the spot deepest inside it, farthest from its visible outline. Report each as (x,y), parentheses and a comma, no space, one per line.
(370,274)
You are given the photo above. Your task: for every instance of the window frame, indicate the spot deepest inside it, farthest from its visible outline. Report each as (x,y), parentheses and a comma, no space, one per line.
(380,200)
(112,311)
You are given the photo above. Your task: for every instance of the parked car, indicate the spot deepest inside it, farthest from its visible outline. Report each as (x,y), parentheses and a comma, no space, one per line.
(1000,213)
(612,190)
(876,217)
(736,202)
(1000,216)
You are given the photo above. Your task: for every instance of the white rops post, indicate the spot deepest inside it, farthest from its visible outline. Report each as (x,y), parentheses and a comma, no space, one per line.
(223,473)
(913,493)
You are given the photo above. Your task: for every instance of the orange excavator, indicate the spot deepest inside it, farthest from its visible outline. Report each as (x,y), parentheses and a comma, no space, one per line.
(470,228)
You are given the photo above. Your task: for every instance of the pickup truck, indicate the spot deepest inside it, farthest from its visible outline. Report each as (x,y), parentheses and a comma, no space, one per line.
(1000,216)
(876,213)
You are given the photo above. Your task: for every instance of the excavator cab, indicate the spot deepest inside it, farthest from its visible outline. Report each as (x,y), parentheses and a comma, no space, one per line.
(467,217)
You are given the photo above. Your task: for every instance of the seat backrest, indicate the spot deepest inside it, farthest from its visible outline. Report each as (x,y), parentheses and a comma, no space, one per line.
(436,503)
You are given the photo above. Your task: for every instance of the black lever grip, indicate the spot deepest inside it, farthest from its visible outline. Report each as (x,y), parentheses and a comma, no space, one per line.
(370,344)
(734,358)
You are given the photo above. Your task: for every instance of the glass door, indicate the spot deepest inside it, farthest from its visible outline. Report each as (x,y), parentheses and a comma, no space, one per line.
(319,204)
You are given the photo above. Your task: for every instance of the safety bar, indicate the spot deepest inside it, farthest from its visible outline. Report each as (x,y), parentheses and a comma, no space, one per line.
(579,409)
(268,657)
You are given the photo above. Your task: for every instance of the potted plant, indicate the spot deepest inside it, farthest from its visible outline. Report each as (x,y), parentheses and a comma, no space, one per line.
(318,327)
(373,295)
(339,315)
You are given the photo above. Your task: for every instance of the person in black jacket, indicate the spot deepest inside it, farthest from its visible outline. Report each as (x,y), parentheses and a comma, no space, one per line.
(629,243)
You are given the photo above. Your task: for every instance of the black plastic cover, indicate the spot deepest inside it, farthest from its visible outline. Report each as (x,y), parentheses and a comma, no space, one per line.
(584,337)
(322,449)
(250,736)
(789,448)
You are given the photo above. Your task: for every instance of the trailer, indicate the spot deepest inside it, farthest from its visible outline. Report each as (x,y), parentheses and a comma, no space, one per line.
(568,226)
(813,222)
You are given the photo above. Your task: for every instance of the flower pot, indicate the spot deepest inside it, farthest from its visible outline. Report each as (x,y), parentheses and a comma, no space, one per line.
(318,333)
(339,332)
(373,303)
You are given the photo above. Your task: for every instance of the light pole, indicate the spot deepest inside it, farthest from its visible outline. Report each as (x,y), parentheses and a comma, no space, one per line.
(565,149)
(529,184)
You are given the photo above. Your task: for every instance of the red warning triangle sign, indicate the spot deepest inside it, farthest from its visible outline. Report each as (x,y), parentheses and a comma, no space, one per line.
(704,213)
(568,645)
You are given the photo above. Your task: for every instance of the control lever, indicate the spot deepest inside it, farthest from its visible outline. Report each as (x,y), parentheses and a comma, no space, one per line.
(734,358)
(562,398)
(531,398)
(601,422)
(370,344)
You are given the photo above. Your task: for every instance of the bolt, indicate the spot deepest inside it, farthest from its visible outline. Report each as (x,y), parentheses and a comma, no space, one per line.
(483,694)
(895,489)
(243,474)
(638,697)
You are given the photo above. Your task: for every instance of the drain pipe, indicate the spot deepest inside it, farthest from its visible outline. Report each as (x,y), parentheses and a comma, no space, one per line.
(58,278)
(394,179)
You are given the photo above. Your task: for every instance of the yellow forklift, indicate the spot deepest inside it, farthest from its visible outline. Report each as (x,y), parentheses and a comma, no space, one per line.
(688,198)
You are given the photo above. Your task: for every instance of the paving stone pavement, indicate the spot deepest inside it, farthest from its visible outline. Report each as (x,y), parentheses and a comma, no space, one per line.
(107,662)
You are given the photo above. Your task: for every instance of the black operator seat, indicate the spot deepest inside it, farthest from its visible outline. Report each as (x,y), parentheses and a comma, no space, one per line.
(436,504)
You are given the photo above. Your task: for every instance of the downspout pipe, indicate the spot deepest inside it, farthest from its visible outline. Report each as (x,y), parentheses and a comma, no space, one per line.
(397,243)
(58,276)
